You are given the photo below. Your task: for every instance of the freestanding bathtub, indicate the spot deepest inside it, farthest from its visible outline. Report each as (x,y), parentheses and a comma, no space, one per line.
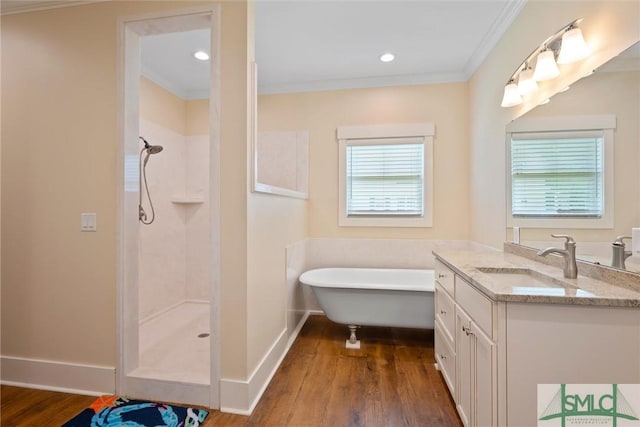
(374,296)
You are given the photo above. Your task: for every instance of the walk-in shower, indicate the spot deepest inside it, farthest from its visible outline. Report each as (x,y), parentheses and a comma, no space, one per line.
(149,149)
(168,325)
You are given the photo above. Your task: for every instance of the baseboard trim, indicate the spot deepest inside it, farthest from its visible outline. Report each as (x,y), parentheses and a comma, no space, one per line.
(241,397)
(296,330)
(58,376)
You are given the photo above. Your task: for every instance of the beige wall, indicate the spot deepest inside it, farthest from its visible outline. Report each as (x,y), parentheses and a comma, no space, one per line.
(608,26)
(186,117)
(60,145)
(163,107)
(445,105)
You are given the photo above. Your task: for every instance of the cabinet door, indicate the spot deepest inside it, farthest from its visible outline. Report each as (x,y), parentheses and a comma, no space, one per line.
(446,313)
(464,372)
(446,358)
(484,402)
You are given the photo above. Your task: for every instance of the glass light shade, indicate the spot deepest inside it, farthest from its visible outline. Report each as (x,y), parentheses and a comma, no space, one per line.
(511,95)
(526,82)
(546,67)
(573,47)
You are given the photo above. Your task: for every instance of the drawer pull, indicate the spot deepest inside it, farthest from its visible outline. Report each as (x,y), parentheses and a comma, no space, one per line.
(443,312)
(443,357)
(467,330)
(440,275)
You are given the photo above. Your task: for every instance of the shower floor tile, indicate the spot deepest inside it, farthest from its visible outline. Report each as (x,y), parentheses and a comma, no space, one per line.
(170,348)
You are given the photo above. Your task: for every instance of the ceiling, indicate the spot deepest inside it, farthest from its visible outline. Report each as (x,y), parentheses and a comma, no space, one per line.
(326,45)
(316,45)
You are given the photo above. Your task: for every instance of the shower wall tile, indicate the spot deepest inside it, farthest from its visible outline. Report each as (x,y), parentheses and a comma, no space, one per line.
(198,237)
(162,248)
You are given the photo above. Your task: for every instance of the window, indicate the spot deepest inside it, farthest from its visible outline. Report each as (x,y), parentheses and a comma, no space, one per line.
(561,178)
(386,176)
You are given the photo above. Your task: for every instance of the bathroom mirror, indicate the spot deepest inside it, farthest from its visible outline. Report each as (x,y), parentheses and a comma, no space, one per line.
(281,163)
(280,158)
(612,91)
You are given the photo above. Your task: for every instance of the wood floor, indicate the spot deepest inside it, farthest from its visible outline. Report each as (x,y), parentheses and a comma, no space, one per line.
(391,381)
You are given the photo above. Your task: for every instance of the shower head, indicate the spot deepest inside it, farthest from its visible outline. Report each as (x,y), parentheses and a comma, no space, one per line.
(153,149)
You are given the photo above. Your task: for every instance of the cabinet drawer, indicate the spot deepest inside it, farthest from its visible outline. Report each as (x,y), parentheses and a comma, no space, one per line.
(444,276)
(446,358)
(479,307)
(446,313)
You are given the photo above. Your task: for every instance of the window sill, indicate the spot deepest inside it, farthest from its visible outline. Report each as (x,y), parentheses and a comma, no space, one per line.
(605,222)
(345,221)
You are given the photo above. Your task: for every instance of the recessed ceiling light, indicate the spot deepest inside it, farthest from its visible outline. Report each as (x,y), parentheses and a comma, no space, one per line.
(387,57)
(201,55)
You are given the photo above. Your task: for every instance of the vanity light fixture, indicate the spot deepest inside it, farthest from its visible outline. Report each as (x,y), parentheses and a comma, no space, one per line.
(511,95)
(201,55)
(387,57)
(526,83)
(546,67)
(573,47)
(567,45)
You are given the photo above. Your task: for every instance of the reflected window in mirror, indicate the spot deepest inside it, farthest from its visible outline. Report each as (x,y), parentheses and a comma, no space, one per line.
(561,172)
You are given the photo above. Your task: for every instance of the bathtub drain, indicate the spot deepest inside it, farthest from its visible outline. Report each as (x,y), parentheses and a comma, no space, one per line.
(203,335)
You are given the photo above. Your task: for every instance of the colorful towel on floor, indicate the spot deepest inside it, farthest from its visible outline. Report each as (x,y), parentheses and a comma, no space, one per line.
(117,411)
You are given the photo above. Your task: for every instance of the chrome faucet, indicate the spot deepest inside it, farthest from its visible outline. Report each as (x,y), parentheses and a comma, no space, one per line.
(619,253)
(570,268)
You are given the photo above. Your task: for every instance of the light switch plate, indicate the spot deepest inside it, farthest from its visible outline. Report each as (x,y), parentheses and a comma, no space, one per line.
(88,222)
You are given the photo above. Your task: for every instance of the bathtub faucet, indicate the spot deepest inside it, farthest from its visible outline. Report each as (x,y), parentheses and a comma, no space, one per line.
(570,268)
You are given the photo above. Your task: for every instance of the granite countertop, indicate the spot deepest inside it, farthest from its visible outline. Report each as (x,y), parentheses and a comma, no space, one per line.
(508,277)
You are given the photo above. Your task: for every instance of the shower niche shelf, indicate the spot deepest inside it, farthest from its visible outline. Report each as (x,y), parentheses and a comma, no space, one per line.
(187,199)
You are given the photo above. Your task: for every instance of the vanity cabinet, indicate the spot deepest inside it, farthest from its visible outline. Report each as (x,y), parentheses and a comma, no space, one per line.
(444,338)
(445,326)
(465,351)
(567,341)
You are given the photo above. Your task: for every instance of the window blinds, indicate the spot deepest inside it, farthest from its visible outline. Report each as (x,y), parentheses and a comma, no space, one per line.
(385,179)
(557,175)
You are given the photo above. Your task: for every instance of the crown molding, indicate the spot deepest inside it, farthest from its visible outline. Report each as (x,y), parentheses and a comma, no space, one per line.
(500,25)
(361,83)
(15,7)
